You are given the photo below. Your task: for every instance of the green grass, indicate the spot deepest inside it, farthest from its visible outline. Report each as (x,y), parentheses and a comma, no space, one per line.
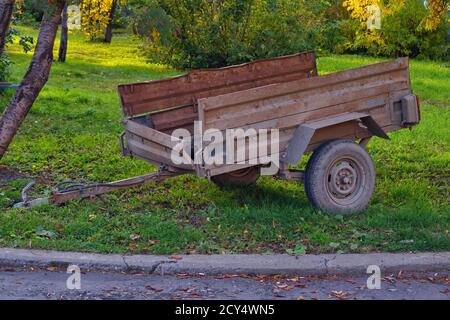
(72,130)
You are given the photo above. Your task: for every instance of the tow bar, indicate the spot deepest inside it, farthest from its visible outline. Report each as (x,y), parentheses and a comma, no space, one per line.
(66,191)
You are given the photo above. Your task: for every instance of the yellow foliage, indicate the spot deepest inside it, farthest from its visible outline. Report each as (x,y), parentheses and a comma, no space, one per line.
(359,10)
(438,10)
(95,16)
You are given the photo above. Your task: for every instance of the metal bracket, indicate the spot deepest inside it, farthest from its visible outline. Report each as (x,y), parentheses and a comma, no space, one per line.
(124,149)
(26,202)
(305,132)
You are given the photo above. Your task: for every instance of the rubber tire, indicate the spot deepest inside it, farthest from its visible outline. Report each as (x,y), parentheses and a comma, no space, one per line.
(229,179)
(315,174)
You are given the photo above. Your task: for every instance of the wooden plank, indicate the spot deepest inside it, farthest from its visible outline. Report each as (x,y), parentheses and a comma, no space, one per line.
(274,90)
(153,154)
(248,109)
(150,134)
(347,130)
(185,90)
(174,119)
(297,106)
(247,149)
(289,124)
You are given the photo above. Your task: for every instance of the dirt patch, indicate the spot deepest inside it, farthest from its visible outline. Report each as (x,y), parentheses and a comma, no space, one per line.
(8,174)
(196,220)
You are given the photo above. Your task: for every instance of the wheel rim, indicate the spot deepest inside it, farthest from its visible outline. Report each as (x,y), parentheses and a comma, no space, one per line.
(345,180)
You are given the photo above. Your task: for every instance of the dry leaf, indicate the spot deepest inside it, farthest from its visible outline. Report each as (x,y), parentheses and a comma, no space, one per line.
(175,258)
(153,288)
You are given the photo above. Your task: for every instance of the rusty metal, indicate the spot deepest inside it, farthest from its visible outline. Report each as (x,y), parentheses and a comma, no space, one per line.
(82,192)
(67,191)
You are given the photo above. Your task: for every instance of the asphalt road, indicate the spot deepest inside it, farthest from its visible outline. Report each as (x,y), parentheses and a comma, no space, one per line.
(45,284)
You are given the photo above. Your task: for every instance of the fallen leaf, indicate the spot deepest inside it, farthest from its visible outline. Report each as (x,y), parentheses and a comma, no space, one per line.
(182,275)
(135,237)
(341,295)
(154,289)
(175,258)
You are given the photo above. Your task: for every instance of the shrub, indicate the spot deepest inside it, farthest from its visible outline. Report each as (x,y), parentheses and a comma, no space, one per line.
(212,33)
(408,28)
(4,67)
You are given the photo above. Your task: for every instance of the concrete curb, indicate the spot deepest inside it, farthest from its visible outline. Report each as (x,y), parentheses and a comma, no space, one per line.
(327,264)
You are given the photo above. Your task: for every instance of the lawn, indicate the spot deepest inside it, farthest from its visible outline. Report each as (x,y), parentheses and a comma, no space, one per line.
(72,133)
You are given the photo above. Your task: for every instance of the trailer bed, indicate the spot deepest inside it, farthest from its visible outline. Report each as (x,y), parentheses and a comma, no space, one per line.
(282,93)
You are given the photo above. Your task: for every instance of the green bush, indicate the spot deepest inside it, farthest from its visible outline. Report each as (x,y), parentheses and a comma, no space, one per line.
(212,33)
(203,33)
(401,34)
(4,67)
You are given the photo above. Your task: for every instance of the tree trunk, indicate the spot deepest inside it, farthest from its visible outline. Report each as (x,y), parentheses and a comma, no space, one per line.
(64,36)
(108,32)
(6,10)
(35,78)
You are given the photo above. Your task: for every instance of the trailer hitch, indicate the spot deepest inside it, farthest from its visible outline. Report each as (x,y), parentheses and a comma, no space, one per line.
(26,202)
(66,191)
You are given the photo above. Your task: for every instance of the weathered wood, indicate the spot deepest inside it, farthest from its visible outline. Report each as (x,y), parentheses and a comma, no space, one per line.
(285,106)
(276,90)
(151,134)
(374,90)
(185,90)
(153,153)
(288,107)
(173,119)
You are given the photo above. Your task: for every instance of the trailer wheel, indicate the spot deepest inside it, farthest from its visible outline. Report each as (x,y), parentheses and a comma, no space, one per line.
(244,177)
(340,178)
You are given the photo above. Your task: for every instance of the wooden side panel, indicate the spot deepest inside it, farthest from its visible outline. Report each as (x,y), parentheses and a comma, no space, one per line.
(374,90)
(151,145)
(141,98)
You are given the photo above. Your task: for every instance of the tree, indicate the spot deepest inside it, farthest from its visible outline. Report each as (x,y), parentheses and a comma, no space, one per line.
(96,17)
(408,27)
(108,32)
(215,33)
(64,36)
(36,76)
(6,10)
(438,13)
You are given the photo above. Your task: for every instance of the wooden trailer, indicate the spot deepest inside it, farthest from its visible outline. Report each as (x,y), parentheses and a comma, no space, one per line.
(281,99)
(333,115)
